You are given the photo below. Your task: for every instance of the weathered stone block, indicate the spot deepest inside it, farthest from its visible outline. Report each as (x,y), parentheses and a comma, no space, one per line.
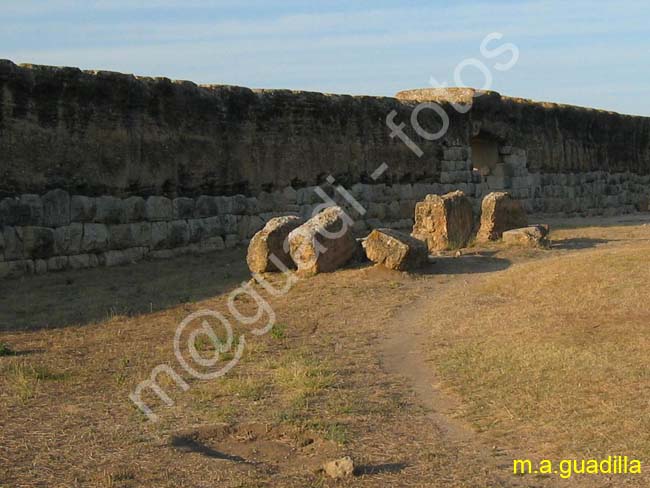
(26,210)
(159,235)
(395,250)
(120,236)
(456,153)
(324,243)
(16,269)
(82,209)
(135,209)
(141,233)
(206,206)
(238,204)
(212,244)
(272,240)
(95,238)
(499,213)
(179,233)
(123,257)
(290,195)
(444,222)
(158,209)
(229,223)
(57,263)
(38,242)
(197,229)
(213,226)
(532,236)
(252,206)
(83,261)
(67,239)
(224,205)
(40,266)
(110,210)
(183,208)
(231,241)
(56,208)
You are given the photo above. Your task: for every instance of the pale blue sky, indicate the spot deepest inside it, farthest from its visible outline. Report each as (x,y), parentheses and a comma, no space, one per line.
(584,52)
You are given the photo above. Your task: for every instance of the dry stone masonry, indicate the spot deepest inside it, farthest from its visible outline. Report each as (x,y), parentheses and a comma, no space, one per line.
(101,169)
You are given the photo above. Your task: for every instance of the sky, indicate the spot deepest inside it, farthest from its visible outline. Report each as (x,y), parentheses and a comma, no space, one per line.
(582,52)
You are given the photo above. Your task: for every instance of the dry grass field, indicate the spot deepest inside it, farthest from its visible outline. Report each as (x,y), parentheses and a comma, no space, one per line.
(436,379)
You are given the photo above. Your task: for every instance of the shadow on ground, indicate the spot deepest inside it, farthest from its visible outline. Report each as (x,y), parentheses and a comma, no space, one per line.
(476,263)
(579,243)
(84,297)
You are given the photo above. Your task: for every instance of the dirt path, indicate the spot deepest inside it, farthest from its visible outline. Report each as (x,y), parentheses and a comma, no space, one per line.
(403,352)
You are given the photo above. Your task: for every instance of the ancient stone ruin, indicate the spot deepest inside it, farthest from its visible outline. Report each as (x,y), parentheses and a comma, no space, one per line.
(100,168)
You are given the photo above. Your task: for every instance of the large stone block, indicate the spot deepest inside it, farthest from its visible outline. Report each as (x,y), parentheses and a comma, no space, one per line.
(120,236)
(324,243)
(82,209)
(26,210)
(206,206)
(213,226)
(238,203)
(444,222)
(67,239)
(56,208)
(13,244)
(57,263)
(135,209)
(499,213)
(110,210)
(179,233)
(82,261)
(38,242)
(532,236)
(272,240)
(159,235)
(123,257)
(183,208)
(95,238)
(395,250)
(158,209)
(141,232)
(229,223)
(16,269)
(197,229)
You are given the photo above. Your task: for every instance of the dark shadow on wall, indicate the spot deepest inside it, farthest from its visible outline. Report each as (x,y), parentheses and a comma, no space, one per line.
(82,297)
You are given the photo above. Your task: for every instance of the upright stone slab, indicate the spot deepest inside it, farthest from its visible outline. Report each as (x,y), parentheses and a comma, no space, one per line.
(499,213)
(444,222)
(270,241)
(395,250)
(324,243)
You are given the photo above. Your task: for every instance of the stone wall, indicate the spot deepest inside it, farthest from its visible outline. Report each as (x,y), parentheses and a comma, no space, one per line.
(102,169)
(103,133)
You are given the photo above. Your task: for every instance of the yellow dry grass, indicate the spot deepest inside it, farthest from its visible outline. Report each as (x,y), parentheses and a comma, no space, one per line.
(554,354)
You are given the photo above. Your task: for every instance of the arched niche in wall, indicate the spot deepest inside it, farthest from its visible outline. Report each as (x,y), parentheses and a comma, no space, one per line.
(485,153)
